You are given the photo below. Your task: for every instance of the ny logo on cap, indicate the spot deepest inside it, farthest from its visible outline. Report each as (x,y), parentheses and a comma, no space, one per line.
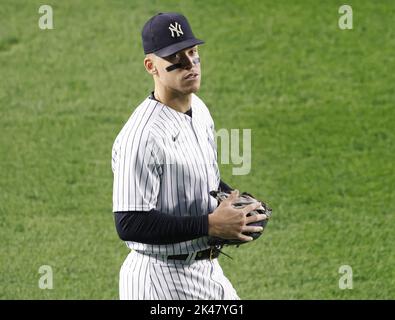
(176,29)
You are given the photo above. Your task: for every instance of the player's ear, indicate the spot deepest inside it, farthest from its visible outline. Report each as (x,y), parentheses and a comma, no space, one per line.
(149,64)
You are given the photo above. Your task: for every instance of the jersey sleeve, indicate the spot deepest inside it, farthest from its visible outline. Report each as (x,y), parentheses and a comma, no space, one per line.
(137,171)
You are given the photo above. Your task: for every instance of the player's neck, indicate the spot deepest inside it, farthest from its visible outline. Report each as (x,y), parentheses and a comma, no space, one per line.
(174,100)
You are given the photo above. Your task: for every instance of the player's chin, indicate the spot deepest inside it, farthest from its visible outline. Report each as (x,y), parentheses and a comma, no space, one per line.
(191,87)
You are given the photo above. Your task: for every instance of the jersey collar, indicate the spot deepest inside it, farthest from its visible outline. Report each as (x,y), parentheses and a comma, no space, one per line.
(188,113)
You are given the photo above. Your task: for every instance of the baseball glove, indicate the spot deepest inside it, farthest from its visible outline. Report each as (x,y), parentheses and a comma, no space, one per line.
(243,200)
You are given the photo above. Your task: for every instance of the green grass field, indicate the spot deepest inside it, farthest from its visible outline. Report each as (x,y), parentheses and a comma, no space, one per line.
(319,101)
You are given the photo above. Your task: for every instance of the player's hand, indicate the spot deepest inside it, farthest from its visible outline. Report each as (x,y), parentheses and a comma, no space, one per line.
(228,222)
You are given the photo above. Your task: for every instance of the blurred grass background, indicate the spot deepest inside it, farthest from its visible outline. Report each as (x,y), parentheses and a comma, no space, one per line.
(319,101)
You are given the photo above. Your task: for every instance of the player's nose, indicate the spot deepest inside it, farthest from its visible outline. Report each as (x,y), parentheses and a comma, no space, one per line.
(187,62)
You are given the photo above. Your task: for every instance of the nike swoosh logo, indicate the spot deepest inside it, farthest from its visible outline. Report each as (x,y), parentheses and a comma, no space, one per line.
(176,136)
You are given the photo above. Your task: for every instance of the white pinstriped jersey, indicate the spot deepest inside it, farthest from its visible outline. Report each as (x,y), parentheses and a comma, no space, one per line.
(149,277)
(166,160)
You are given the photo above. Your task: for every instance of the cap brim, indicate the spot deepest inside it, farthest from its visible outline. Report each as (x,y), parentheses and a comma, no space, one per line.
(165,52)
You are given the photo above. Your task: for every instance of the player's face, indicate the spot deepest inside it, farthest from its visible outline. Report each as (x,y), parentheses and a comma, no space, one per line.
(185,79)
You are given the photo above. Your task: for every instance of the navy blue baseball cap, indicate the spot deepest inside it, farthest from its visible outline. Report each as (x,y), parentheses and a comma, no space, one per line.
(167,33)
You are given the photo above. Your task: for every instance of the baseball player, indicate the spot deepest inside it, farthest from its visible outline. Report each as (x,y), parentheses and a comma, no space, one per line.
(164,162)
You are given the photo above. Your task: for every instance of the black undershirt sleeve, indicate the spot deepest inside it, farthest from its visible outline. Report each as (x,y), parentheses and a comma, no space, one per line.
(224,187)
(154,227)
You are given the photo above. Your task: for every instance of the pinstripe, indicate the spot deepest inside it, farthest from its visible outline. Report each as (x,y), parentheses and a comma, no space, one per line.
(195,174)
(123,144)
(135,165)
(151,192)
(124,279)
(146,281)
(190,184)
(141,284)
(174,176)
(197,134)
(210,283)
(201,278)
(136,279)
(181,286)
(126,274)
(151,278)
(123,289)
(135,273)
(133,284)
(193,283)
(198,273)
(174,288)
(219,290)
(128,283)
(157,282)
(206,279)
(195,162)
(196,288)
(216,285)
(185,279)
(126,169)
(167,282)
